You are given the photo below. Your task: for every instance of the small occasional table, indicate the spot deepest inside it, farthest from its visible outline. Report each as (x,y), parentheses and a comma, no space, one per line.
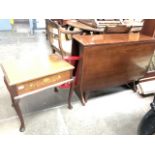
(28,76)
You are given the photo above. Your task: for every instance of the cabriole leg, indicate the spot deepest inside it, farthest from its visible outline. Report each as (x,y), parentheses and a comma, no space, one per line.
(15,104)
(70,95)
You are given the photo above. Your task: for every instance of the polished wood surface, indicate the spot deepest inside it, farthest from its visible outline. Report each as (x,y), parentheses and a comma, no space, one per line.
(149,27)
(77,24)
(42,82)
(88,40)
(29,76)
(24,70)
(109,60)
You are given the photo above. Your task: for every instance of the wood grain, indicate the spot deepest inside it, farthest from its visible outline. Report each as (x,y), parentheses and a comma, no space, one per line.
(89,40)
(42,82)
(29,69)
(109,60)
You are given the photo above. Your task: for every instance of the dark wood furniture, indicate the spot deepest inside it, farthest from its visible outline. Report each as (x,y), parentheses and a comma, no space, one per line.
(100,23)
(110,60)
(117,29)
(29,76)
(149,30)
(98,27)
(149,27)
(84,27)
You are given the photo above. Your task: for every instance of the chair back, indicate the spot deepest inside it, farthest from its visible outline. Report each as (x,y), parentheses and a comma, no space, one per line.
(55,37)
(58,37)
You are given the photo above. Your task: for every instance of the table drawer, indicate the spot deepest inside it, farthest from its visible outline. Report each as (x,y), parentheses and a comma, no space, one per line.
(42,82)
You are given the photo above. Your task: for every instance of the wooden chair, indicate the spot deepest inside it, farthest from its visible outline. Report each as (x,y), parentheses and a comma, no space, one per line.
(56,35)
(62,45)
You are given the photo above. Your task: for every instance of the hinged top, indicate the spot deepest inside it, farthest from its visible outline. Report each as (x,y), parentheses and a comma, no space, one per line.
(27,69)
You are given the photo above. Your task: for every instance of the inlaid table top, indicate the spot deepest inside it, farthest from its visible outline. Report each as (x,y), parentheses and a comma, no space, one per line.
(28,69)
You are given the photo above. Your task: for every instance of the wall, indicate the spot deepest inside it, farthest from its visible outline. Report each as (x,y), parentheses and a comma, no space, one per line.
(5,25)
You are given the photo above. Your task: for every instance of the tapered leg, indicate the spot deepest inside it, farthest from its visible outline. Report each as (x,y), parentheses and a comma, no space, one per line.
(56,89)
(70,95)
(132,85)
(82,97)
(15,104)
(86,96)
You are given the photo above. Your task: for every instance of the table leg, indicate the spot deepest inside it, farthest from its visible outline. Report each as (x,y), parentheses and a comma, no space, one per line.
(86,96)
(132,85)
(15,104)
(56,90)
(82,97)
(71,94)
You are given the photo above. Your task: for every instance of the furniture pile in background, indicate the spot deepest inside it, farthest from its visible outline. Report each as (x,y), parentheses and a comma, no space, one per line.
(115,25)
